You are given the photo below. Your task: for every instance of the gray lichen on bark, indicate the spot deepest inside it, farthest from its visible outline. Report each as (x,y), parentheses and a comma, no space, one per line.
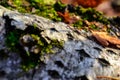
(79,59)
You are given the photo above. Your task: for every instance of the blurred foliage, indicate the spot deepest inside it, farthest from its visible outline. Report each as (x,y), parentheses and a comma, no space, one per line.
(40,7)
(78,24)
(58,6)
(49,8)
(91,14)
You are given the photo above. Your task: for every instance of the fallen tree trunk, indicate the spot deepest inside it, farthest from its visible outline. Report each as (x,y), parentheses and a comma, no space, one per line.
(79,58)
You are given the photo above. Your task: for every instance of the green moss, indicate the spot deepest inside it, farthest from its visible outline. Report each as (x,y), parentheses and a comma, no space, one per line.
(94,27)
(43,8)
(54,44)
(58,6)
(12,39)
(78,24)
(17,2)
(49,9)
(34,59)
(37,39)
(91,14)
(30,59)
(45,47)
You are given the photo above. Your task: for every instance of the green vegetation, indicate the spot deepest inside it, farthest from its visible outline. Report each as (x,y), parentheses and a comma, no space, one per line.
(45,47)
(30,59)
(78,24)
(49,8)
(94,27)
(58,6)
(12,39)
(91,14)
(39,7)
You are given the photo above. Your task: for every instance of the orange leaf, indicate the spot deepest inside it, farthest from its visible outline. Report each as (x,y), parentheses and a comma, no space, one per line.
(68,18)
(100,38)
(106,39)
(65,16)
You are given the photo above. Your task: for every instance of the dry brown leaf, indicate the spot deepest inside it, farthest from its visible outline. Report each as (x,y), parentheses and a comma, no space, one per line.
(65,16)
(106,39)
(68,18)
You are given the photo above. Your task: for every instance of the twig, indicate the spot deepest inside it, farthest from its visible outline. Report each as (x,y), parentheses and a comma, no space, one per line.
(107,77)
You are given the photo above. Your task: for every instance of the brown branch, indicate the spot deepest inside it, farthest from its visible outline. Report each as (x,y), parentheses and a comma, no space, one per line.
(107,77)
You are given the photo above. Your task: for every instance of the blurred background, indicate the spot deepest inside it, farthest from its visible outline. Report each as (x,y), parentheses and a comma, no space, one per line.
(110,8)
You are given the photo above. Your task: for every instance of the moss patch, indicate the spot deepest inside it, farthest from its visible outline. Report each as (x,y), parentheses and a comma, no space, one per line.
(39,46)
(49,9)
(91,14)
(12,39)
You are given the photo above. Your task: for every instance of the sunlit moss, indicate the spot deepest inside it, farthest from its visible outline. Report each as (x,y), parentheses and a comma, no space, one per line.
(94,27)
(49,9)
(17,2)
(45,47)
(34,59)
(78,24)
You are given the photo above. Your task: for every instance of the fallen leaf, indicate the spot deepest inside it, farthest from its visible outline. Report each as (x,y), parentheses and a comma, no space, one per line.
(106,39)
(68,18)
(100,38)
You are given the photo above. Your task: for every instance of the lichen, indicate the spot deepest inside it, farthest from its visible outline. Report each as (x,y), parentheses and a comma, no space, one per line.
(30,59)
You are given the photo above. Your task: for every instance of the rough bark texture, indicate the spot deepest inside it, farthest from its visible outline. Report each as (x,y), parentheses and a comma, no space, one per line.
(80,58)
